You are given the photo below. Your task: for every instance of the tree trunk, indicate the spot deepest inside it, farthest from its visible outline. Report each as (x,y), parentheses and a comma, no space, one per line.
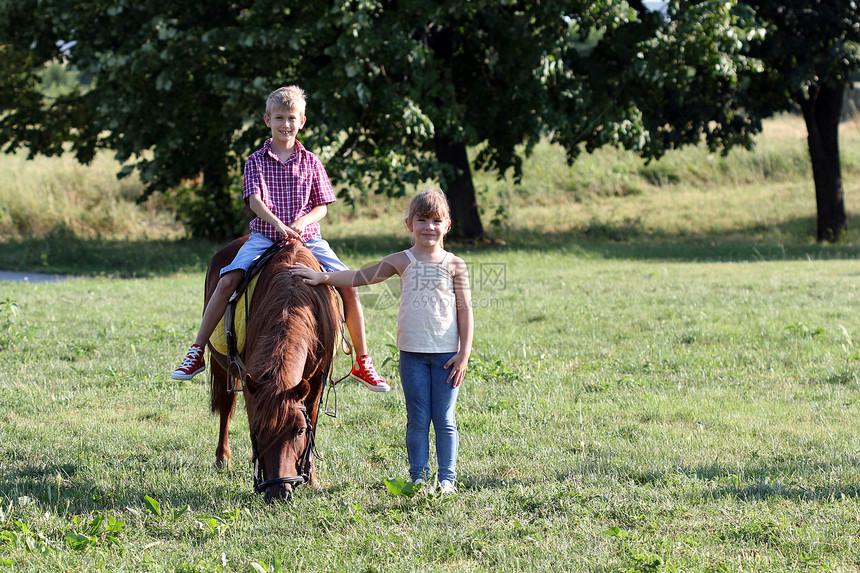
(465,217)
(460,189)
(822,111)
(222,218)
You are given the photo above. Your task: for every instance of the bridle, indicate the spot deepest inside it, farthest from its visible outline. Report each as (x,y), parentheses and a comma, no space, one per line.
(305,461)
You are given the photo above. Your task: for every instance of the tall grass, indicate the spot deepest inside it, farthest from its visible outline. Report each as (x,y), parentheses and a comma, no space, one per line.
(765,194)
(768,191)
(593,196)
(48,196)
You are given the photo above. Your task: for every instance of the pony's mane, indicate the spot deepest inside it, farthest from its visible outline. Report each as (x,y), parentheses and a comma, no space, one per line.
(288,316)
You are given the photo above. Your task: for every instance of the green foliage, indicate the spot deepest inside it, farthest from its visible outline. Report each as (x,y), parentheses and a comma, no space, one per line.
(653,84)
(400,486)
(805,46)
(492,371)
(18,535)
(397,90)
(275,567)
(178,89)
(201,215)
(100,530)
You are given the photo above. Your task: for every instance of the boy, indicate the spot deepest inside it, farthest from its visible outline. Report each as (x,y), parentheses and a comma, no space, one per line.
(283,181)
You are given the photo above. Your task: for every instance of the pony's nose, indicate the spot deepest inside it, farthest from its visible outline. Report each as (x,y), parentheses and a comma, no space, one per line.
(279,492)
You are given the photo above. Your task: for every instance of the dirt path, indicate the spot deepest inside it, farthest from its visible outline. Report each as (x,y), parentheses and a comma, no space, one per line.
(17,277)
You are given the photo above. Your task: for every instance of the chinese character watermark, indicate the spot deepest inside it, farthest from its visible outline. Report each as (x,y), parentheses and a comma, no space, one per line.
(488,280)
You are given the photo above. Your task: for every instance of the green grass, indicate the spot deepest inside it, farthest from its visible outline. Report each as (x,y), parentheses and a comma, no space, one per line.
(703,409)
(662,380)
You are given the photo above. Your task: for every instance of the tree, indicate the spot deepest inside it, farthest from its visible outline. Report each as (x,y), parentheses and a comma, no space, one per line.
(714,70)
(165,96)
(399,89)
(649,83)
(810,49)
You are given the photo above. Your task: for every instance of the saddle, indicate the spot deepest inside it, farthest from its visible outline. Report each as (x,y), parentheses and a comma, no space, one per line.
(229,339)
(232,324)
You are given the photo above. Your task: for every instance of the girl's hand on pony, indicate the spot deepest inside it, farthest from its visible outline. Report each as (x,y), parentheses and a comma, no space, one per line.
(309,276)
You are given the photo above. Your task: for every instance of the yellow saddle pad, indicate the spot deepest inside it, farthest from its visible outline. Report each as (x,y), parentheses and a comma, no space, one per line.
(218,340)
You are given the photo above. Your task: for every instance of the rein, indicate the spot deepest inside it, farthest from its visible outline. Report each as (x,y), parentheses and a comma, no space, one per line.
(236,364)
(234,358)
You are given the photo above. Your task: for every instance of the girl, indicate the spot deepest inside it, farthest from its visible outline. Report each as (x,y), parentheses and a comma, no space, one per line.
(434,331)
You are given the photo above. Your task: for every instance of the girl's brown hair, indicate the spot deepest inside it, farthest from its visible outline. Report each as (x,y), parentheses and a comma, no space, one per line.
(429,203)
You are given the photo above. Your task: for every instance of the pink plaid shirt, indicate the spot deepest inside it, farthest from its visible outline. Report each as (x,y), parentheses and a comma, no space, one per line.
(289,189)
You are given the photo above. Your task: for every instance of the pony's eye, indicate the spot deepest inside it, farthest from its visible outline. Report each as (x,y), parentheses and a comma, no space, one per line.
(301,431)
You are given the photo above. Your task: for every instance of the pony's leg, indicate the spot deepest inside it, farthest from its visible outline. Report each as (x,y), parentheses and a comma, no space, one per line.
(224,402)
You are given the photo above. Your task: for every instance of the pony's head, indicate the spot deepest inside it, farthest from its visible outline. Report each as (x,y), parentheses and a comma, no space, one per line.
(282,448)
(291,338)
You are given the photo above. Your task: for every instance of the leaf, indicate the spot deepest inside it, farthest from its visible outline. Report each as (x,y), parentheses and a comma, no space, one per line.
(178,513)
(94,526)
(614,532)
(399,486)
(114,524)
(257,567)
(77,541)
(152,505)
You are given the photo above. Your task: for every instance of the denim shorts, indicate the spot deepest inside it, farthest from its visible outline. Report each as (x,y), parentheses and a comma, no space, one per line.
(257,244)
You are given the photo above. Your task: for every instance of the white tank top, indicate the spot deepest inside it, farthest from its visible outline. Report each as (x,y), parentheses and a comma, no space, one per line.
(427,321)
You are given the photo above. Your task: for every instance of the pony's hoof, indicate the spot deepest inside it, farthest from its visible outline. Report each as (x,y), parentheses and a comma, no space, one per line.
(222,464)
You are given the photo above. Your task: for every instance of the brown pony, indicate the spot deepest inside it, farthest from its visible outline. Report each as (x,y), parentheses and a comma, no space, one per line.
(290,343)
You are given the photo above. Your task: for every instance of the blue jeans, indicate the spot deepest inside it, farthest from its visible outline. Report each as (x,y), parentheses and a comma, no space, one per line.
(257,244)
(429,398)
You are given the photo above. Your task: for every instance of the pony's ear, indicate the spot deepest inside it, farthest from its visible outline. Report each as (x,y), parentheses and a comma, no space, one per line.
(250,385)
(300,391)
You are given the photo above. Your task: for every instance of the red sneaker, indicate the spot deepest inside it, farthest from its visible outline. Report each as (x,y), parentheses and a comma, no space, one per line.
(192,365)
(364,372)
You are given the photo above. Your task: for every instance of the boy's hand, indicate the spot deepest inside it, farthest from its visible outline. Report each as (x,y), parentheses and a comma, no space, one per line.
(309,276)
(289,233)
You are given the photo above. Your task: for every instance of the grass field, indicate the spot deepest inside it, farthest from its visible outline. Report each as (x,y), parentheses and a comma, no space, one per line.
(665,378)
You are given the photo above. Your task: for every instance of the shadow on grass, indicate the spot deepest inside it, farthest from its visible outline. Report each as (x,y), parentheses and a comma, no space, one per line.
(114,258)
(792,240)
(789,240)
(58,485)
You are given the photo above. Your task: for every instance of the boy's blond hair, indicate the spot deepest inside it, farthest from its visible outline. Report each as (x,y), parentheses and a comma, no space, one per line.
(288,97)
(430,203)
